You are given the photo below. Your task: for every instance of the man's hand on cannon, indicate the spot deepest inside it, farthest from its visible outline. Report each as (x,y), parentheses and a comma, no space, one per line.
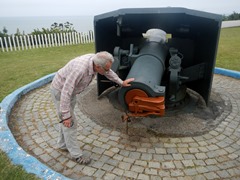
(127,81)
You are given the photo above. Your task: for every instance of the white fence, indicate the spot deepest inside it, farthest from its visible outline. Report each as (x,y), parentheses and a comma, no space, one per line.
(25,42)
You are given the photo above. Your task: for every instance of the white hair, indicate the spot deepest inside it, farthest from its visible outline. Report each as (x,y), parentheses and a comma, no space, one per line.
(102,58)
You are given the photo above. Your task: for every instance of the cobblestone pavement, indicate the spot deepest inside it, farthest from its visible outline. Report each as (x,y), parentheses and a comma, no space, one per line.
(214,155)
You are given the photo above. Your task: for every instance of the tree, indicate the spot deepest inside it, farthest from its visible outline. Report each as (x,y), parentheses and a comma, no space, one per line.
(5,31)
(61,26)
(56,28)
(18,33)
(233,16)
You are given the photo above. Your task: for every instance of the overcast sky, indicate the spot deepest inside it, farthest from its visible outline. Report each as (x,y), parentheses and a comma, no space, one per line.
(95,7)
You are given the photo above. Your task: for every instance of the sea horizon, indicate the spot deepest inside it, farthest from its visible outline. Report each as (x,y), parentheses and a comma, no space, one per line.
(27,24)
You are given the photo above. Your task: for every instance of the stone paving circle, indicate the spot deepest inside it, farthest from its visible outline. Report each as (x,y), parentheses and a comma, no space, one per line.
(117,155)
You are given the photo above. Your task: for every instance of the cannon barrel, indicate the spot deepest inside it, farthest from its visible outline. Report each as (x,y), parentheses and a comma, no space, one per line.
(147,70)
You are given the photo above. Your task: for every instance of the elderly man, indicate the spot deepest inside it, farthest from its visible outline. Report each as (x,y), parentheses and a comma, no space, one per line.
(71,80)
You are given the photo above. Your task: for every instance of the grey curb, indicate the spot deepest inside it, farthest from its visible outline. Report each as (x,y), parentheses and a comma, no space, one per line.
(17,155)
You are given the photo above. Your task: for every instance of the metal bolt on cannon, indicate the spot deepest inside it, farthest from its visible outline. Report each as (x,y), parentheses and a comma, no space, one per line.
(166,50)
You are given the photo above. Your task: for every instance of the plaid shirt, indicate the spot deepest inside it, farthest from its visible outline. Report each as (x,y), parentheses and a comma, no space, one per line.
(74,77)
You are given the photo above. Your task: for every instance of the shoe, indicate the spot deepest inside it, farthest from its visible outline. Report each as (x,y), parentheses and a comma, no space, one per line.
(61,148)
(83,160)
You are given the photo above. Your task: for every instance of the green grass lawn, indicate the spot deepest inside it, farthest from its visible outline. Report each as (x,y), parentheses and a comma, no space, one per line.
(22,67)
(10,172)
(228,56)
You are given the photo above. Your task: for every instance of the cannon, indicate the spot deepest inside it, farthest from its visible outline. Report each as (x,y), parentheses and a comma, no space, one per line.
(166,50)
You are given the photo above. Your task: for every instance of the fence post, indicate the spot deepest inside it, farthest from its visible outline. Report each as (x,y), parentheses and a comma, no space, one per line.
(18,45)
(76,40)
(67,38)
(35,40)
(55,39)
(6,44)
(73,38)
(49,40)
(88,38)
(46,41)
(84,38)
(64,39)
(1,44)
(10,43)
(53,43)
(81,37)
(42,40)
(61,37)
(14,43)
(91,35)
(58,39)
(21,42)
(70,38)
(78,37)
(39,41)
(25,42)
(28,41)
(32,41)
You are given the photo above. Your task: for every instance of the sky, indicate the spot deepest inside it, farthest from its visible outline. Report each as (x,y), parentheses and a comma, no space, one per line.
(96,7)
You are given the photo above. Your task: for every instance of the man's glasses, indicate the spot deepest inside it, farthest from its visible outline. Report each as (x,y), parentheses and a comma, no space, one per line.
(106,70)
